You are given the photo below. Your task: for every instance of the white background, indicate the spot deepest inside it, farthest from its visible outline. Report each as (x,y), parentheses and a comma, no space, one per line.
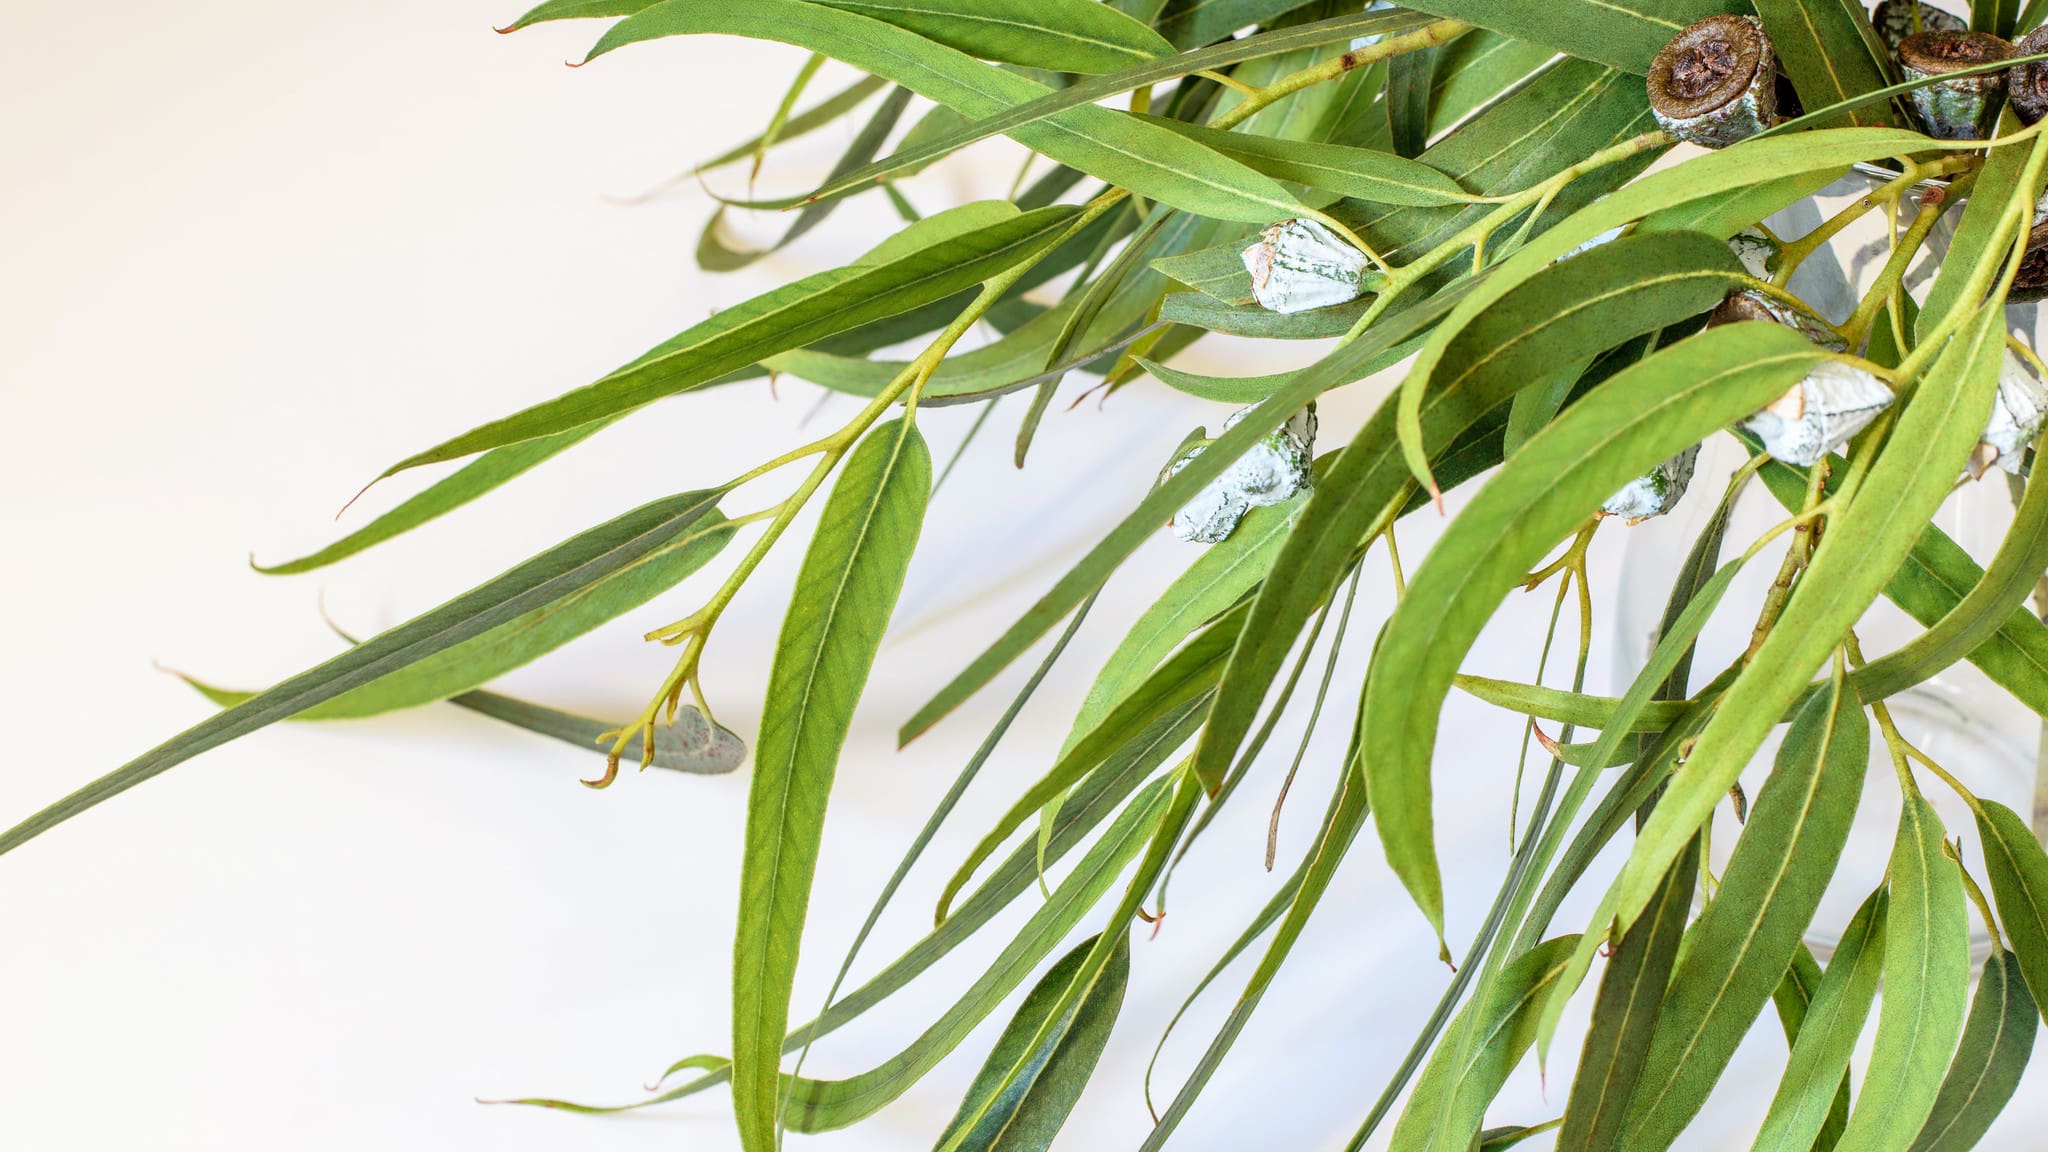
(255,252)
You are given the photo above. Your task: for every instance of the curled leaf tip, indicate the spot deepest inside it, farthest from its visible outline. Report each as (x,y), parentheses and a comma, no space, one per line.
(359,495)
(576,63)
(507,30)
(611,773)
(1443,953)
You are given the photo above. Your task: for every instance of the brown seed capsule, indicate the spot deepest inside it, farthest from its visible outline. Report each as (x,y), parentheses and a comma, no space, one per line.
(1965,108)
(2031,282)
(1716,82)
(2026,85)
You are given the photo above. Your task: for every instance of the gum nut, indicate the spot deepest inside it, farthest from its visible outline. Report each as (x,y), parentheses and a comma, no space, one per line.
(1758,252)
(2026,85)
(1965,108)
(1655,492)
(2031,283)
(1279,466)
(1750,304)
(1715,82)
(1836,401)
(2017,413)
(1213,514)
(1299,266)
(1896,19)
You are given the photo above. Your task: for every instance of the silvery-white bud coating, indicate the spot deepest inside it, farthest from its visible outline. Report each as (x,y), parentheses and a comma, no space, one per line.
(1758,252)
(1965,108)
(1750,304)
(1655,492)
(1820,414)
(1897,19)
(1299,266)
(2016,415)
(1716,82)
(1279,467)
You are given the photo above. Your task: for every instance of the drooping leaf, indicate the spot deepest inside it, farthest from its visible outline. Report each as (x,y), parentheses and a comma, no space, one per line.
(1409,77)
(1108,145)
(472,480)
(1926,981)
(1503,1027)
(2018,869)
(1997,1040)
(792,316)
(1088,91)
(1745,940)
(1621,429)
(845,594)
(1856,557)
(1625,1017)
(1033,1107)
(1827,1035)
(825,112)
(546,579)
(1475,70)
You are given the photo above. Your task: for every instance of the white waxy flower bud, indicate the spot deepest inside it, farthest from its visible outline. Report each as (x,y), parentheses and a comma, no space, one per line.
(2016,417)
(1279,467)
(1299,266)
(1820,414)
(1758,252)
(1655,492)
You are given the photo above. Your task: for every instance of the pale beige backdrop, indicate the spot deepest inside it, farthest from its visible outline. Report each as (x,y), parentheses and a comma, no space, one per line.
(255,251)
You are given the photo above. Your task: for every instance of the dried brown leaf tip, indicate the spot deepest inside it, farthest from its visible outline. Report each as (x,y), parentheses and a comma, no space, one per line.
(1715,82)
(1966,107)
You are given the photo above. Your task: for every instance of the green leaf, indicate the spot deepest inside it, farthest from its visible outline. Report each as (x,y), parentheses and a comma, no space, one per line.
(1815,1072)
(1193,23)
(1605,296)
(1638,418)
(1502,1027)
(1926,979)
(822,114)
(546,579)
(1997,1040)
(1340,367)
(1979,233)
(1056,35)
(2018,870)
(1256,322)
(1186,679)
(1033,1106)
(715,255)
(445,495)
(1475,70)
(1995,16)
(1824,51)
(1359,173)
(1750,163)
(1218,579)
(1408,85)
(688,745)
(1745,940)
(1222,389)
(1022,114)
(1825,1040)
(1625,1017)
(515,643)
(788,317)
(845,594)
(1109,145)
(1623,34)
(1857,555)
